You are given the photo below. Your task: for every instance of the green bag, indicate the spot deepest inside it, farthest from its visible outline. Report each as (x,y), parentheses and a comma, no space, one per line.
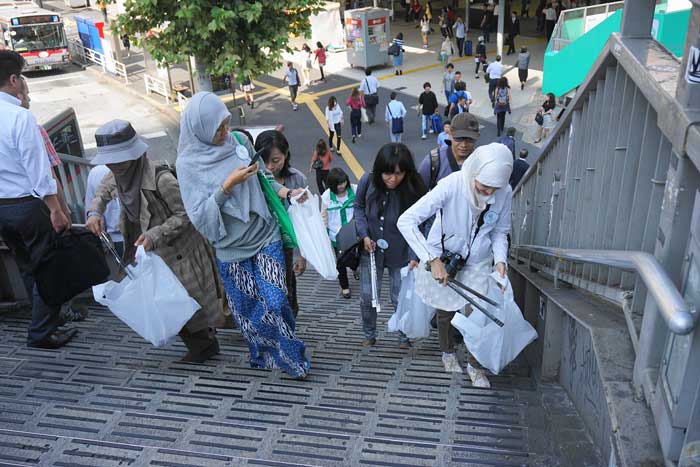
(274,203)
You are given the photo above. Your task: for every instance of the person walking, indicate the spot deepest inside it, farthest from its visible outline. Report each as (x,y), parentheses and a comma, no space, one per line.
(321,162)
(320,58)
(459,93)
(277,158)
(225,203)
(520,167)
(336,211)
(523,66)
(394,116)
(458,107)
(126,43)
(153,216)
(508,140)
(513,26)
(502,101)
(398,57)
(382,196)
(445,28)
(448,85)
(334,118)
(444,139)
(446,50)
(356,103)
(307,61)
(248,87)
(31,213)
(478,196)
(480,57)
(494,72)
(460,30)
(370,92)
(550,20)
(425,30)
(547,114)
(427,107)
(291,77)
(486,21)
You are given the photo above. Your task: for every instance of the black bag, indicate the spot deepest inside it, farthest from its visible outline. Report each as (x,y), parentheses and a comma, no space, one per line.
(394,49)
(348,245)
(539,118)
(396,123)
(73,263)
(317,164)
(372,99)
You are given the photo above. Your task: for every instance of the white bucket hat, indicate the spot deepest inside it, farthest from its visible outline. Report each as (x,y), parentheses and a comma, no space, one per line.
(117,142)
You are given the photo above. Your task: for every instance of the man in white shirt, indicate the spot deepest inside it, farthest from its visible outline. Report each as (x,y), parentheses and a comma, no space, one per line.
(495,72)
(370,89)
(394,116)
(291,77)
(30,211)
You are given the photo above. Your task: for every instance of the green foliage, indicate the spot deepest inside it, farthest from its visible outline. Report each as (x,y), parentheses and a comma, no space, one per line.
(242,37)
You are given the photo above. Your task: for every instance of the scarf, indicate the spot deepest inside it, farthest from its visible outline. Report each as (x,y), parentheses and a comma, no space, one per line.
(490,165)
(129,187)
(202,167)
(343,207)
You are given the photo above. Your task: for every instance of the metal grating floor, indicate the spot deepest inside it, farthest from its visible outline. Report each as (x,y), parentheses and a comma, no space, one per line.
(111,399)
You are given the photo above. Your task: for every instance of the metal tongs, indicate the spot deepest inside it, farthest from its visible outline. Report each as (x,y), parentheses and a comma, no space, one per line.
(108,243)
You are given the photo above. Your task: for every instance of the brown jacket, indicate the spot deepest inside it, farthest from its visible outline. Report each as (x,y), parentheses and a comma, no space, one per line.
(164,222)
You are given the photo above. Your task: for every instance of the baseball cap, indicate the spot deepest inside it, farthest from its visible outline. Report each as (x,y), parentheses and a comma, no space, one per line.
(465,125)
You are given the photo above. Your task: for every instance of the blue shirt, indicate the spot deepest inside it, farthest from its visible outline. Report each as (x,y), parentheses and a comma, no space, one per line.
(292,77)
(454,97)
(442,137)
(459,30)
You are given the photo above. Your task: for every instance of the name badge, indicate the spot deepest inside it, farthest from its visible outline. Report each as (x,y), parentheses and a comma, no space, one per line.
(490,218)
(242,152)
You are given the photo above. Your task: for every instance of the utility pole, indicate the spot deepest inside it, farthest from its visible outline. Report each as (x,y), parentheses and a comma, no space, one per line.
(501,21)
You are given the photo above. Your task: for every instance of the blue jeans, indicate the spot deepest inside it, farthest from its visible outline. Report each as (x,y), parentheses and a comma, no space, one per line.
(395,137)
(26,228)
(425,123)
(369,314)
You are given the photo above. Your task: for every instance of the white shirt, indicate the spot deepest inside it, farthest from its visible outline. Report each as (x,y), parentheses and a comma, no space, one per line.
(369,85)
(550,14)
(394,109)
(112,212)
(495,70)
(460,223)
(334,116)
(24,164)
(334,217)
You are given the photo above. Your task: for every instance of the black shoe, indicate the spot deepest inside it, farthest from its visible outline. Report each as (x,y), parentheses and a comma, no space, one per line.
(203,356)
(353,139)
(401,72)
(522,86)
(55,341)
(397,72)
(369,342)
(405,345)
(70,313)
(433,322)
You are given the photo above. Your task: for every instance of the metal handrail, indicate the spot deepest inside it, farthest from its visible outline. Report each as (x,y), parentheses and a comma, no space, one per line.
(680,317)
(559,26)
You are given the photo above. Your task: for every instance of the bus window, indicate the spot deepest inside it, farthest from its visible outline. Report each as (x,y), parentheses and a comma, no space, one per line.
(41,36)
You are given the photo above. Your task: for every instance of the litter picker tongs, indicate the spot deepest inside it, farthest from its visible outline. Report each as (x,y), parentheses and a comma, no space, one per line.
(461,290)
(108,243)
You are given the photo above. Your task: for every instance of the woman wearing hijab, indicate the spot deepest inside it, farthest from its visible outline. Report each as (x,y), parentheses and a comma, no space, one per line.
(225,203)
(479,197)
(153,216)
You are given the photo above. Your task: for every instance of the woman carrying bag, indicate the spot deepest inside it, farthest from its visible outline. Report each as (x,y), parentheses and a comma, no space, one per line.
(321,162)
(356,103)
(153,216)
(224,200)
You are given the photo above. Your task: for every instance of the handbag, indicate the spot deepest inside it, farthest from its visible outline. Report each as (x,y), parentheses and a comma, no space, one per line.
(539,118)
(365,117)
(371,98)
(396,123)
(289,238)
(317,165)
(72,263)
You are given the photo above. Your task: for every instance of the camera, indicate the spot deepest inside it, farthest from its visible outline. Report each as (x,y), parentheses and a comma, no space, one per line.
(453,263)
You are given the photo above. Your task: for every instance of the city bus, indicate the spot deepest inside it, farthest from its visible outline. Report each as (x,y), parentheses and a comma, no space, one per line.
(36,34)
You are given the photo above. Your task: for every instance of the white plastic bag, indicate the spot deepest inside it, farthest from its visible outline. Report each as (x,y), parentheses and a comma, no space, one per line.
(493,346)
(312,236)
(154,303)
(412,316)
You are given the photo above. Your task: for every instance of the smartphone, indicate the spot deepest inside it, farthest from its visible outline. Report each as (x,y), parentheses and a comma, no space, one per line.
(256,157)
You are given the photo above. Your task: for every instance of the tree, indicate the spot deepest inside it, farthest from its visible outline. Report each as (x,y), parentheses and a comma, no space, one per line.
(241,37)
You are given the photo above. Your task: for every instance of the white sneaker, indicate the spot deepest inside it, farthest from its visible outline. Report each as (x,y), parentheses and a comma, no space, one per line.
(423,137)
(478,377)
(451,363)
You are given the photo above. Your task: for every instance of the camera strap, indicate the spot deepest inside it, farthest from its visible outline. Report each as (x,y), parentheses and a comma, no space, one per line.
(479,223)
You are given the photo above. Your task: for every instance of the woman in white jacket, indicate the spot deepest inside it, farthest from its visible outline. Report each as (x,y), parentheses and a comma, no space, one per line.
(334,118)
(475,203)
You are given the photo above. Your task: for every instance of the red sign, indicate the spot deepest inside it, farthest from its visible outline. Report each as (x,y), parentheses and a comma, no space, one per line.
(353,21)
(375,21)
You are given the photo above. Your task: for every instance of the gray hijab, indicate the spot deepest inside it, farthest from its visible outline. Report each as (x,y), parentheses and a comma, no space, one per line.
(202,167)
(129,187)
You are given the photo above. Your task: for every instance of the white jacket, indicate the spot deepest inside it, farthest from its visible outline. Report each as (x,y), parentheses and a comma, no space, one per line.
(450,196)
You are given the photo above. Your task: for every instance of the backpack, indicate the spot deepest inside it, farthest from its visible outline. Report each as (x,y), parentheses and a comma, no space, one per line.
(394,49)
(502,97)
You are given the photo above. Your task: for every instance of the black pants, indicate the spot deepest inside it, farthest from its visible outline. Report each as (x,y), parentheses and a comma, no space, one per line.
(291,280)
(479,64)
(460,46)
(500,122)
(323,77)
(337,129)
(511,44)
(25,226)
(199,341)
(355,122)
(549,28)
(522,75)
(492,87)
(371,112)
(293,89)
(342,275)
(321,177)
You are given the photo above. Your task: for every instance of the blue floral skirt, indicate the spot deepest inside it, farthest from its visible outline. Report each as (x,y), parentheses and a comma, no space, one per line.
(257,294)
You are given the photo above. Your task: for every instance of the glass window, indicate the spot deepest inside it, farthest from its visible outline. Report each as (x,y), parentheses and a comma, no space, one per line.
(66,140)
(42,36)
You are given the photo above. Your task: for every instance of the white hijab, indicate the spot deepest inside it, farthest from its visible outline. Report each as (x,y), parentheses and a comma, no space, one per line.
(490,165)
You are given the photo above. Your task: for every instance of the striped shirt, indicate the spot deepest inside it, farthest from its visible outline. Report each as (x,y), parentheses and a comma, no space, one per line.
(54,160)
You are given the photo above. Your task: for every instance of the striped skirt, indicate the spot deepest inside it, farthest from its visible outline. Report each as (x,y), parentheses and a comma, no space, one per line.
(257,295)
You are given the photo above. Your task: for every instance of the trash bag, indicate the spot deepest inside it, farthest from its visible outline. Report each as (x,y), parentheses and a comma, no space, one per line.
(412,316)
(150,300)
(495,347)
(312,236)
